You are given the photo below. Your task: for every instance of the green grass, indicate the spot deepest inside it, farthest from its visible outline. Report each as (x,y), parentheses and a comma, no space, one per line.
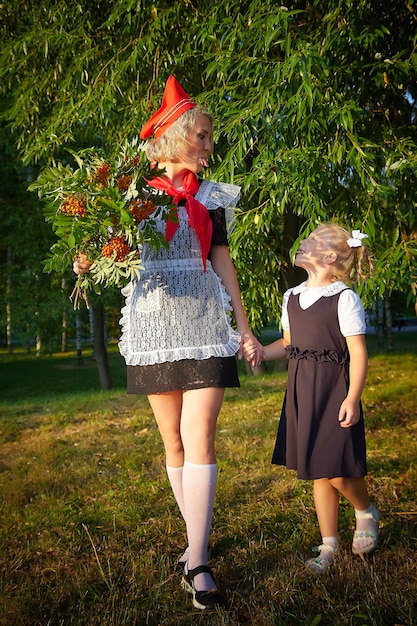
(90,533)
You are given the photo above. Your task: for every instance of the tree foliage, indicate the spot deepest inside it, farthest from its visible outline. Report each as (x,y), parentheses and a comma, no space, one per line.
(315,105)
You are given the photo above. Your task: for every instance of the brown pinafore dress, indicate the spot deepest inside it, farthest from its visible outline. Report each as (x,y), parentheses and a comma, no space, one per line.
(310,439)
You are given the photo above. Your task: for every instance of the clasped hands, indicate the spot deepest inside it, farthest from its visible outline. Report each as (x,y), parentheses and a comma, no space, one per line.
(251,350)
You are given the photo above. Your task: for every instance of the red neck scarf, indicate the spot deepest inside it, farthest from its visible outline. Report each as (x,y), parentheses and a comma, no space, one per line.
(198,216)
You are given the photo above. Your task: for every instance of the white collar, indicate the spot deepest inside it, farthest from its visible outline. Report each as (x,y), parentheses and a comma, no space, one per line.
(326,290)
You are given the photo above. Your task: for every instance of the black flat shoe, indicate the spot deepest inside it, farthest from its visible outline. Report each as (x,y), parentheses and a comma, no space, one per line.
(181,563)
(201,599)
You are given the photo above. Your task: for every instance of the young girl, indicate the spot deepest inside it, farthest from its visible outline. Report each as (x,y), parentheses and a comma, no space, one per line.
(321,430)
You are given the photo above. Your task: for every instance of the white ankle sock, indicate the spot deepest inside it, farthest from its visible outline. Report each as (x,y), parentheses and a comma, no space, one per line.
(367,523)
(199,489)
(328,555)
(330,541)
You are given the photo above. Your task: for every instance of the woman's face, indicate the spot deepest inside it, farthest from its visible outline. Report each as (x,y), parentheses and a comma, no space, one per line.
(199,145)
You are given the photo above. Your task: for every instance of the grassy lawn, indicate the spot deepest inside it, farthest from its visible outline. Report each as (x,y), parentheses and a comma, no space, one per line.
(90,532)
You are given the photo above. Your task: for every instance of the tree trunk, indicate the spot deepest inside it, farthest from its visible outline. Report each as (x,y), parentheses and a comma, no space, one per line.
(91,321)
(99,346)
(8,301)
(384,323)
(64,335)
(27,338)
(380,321)
(388,324)
(281,365)
(292,275)
(79,338)
(38,344)
(256,371)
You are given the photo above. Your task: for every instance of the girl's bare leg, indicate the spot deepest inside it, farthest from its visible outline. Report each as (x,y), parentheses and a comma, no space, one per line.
(326,500)
(354,490)
(367,517)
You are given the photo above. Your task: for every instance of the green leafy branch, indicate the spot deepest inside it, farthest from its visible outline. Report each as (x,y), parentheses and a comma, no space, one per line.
(101,207)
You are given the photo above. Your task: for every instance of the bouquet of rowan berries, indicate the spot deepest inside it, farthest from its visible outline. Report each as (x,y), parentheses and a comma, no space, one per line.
(101,207)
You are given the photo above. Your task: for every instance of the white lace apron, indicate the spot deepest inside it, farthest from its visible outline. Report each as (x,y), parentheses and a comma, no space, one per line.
(176,310)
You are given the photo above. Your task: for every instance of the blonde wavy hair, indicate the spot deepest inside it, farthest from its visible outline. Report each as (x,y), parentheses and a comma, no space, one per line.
(169,146)
(352,264)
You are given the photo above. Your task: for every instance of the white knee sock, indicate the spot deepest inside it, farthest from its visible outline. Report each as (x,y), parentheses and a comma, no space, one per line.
(175,479)
(199,489)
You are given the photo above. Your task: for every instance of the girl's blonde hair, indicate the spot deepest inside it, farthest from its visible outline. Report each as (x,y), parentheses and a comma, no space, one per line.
(352,263)
(169,146)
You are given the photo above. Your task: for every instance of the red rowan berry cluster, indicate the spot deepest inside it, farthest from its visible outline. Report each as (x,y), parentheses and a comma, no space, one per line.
(74,206)
(123,182)
(118,245)
(141,209)
(103,174)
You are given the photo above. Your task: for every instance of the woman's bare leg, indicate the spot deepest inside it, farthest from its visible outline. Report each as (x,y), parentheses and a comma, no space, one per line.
(187,422)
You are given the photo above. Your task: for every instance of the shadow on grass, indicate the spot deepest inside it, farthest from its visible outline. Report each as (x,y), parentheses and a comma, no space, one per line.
(27,376)
(24,375)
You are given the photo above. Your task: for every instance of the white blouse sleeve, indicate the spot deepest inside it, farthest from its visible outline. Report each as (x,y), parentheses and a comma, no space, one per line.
(285,322)
(351,314)
(214,195)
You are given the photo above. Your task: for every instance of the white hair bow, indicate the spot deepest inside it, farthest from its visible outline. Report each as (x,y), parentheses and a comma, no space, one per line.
(356,240)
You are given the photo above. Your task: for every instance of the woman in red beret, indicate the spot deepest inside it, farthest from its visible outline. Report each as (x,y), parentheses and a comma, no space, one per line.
(178,342)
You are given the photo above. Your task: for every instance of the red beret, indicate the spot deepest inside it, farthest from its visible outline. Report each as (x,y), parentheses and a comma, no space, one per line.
(174,103)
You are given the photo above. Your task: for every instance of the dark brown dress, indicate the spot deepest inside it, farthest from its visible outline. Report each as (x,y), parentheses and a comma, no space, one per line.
(310,439)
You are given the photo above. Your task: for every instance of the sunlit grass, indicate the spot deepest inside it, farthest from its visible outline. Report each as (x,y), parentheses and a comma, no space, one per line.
(90,532)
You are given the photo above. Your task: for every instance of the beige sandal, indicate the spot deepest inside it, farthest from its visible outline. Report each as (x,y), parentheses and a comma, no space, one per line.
(321,563)
(365,541)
